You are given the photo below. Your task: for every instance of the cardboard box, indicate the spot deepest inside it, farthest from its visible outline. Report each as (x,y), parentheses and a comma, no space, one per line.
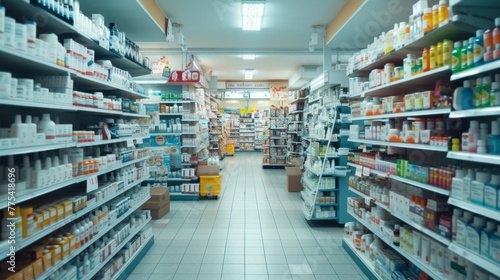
(296,162)
(160,212)
(208,170)
(159,194)
(293,175)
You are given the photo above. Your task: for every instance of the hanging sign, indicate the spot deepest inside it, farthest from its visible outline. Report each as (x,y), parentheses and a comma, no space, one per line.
(246,85)
(92,184)
(251,110)
(243,111)
(279,91)
(186,76)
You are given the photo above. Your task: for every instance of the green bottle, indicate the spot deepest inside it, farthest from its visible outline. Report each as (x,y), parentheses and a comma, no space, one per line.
(463,53)
(470,53)
(486,90)
(478,93)
(456,58)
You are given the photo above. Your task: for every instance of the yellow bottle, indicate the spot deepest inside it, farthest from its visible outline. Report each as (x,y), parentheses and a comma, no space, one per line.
(447,49)
(433,58)
(439,54)
(443,11)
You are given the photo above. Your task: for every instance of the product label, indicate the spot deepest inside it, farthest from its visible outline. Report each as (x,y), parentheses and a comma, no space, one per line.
(467,189)
(478,53)
(495,249)
(477,192)
(461,233)
(472,240)
(490,196)
(457,188)
(485,244)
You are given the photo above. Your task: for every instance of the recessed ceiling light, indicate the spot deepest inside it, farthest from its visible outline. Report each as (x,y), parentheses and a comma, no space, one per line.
(248,74)
(252,12)
(248,56)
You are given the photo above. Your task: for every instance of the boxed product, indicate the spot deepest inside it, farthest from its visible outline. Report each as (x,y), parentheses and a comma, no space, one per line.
(293,175)
(159,197)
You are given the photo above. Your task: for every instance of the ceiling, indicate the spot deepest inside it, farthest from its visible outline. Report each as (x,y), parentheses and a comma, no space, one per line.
(212,31)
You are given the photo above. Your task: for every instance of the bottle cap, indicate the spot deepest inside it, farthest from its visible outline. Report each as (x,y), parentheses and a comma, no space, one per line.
(479,81)
(471,40)
(474,124)
(458,44)
(495,129)
(482,176)
(495,86)
(479,32)
(495,180)
(486,80)
(471,173)
(480,221)
(443,2)
(460,173)
(458,212)
(427,10)
(466,83)
(468,215)
(497,77)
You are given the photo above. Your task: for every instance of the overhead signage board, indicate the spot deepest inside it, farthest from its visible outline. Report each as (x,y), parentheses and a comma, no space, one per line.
(247,85)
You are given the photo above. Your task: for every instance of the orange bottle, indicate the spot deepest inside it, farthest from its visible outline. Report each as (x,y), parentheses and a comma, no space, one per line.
(426,60)
(427,20)
(496,39)
(85,169)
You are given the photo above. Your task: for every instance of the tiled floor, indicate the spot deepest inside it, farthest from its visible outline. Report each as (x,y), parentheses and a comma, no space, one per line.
(255,230)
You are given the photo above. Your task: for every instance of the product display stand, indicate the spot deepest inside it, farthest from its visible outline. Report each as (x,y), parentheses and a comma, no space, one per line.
(295,125)
(398,178)
(259,131)
(275,155)
(247,133)
(75,149)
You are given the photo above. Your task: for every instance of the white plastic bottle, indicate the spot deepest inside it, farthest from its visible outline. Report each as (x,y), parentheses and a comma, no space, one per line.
(494,253)
(457,213)
(485,238)
(462,225)
(82,233)
(76,232)
(86,264)
(26,172)
(91,228)
(473,136)
(19,130)
(471,176)
(31,130)
(48,127)
(473,241)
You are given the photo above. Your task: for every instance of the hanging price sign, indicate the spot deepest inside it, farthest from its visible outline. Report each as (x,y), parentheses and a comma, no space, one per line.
(92,184)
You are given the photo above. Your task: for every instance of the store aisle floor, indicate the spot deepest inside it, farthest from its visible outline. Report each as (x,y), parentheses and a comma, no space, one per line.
(255,230)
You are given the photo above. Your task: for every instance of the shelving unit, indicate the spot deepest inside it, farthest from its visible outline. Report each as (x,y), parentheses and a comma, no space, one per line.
(325,189)
(217,144)
(80,118)
(295,125)
(457,28)
(247,133)
(274,148)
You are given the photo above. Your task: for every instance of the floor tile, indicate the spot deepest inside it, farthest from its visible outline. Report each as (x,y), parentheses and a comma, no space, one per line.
(296,259)
(342,269)
(192,259)
(213,258)
(137,276)
(300,269)
(255,259)
(236,269)
(293,250)
(165,269)
(185,276)
(230,250)
(233,277)
(280,269)
(234,259)
(159,276)
(144,268)
(209,276)
(256,277)
(322,269)
(211,268)
(260,269)
(276,259)
(281,277)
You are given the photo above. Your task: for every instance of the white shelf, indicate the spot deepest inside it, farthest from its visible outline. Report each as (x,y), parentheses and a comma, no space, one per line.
(479,112)
(36,148)
(400,145)
(488,265)
(405,114)
(433,273)
(119,272)
(485,68)
(133,233)
(482,158)
(170,114)
(277,128)
(296,112)
(189,120)
(472,207)
(101,233)
(105,142)
(407,85)
(32,193)
(306,198)
(52,228)
(165,134)
(362,257)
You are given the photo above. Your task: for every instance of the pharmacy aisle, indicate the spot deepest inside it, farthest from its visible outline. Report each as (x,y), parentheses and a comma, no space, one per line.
(255,230)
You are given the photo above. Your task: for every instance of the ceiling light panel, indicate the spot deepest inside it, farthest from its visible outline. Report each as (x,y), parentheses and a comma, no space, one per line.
(248,56)
(248,74)
(252,12)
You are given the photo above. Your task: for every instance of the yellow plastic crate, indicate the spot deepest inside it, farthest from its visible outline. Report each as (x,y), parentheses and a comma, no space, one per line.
(230,149)
(210,185)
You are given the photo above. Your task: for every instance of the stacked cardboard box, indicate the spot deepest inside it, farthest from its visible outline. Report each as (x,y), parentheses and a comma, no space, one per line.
(159,203)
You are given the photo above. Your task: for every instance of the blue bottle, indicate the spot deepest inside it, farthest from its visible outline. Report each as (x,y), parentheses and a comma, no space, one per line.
(468,99)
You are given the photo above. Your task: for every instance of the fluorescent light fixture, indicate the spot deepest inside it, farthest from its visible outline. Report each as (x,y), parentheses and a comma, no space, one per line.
(252,12)
(248,74)
(248,56)
(318,82)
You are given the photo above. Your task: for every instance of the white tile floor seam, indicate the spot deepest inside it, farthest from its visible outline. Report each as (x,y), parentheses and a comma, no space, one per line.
(255,230)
